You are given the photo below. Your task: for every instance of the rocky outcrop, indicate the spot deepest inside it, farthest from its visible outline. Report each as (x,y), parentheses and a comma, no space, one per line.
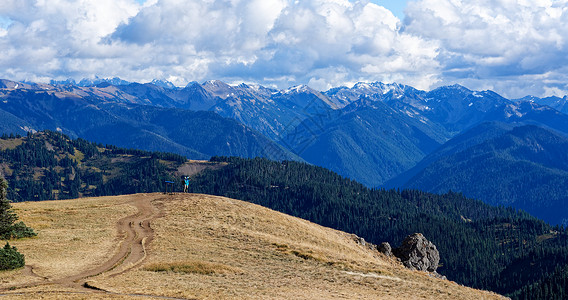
(385,248)
(417,253)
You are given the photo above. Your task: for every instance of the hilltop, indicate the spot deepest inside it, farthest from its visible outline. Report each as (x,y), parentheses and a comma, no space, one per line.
(494,248)
(201,246)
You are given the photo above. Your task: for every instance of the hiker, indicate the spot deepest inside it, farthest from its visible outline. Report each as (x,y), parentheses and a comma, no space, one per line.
(186,186)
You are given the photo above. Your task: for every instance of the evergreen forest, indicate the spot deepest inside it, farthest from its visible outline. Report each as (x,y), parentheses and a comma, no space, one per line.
(49,165)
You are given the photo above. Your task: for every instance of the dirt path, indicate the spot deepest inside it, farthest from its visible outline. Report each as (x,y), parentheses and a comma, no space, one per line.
(134,236)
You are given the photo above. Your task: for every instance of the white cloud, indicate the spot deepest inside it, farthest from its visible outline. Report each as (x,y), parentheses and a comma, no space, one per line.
(512,46)
(501,44)
(44,38)
(273,42)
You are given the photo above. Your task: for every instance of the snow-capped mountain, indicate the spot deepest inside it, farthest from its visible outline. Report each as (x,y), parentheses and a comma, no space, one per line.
(560,104)
(377,115)
(375,90)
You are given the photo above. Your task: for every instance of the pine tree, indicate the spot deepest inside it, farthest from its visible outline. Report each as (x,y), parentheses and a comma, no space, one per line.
(8,226)
(7,216)
(10,258)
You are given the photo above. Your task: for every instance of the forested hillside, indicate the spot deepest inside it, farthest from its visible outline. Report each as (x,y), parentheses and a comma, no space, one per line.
(525,167)
(486,247)
(49,165)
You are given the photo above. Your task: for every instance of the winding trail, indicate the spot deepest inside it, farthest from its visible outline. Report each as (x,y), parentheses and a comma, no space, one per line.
(134,235)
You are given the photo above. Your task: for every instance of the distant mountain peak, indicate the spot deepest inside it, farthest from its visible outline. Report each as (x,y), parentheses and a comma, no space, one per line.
(298,89)
(163,83)
(528,98)
(9,84)
(192,83)
(215,83)
(68,81)
(452,88)
(458,86)
(362,85)
(87,82)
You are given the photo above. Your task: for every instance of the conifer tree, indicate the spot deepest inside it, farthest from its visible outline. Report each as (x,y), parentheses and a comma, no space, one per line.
(7,216)
(10,258)
(8,228)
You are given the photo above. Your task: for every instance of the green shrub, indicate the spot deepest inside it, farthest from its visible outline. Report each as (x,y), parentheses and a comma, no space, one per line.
(10,258)
(20,230)
(9,229)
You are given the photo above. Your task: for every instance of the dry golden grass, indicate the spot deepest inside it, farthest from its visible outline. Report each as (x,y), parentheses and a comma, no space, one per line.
(192,267)
(208,247)
(73,235)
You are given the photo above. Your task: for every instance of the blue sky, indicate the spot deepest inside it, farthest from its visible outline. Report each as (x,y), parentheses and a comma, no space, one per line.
(514,47)
(395,6)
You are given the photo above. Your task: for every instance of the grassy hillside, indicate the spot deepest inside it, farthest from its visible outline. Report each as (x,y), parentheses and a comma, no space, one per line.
(479,244)
(205,247)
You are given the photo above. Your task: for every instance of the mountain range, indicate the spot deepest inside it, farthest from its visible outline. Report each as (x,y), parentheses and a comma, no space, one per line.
(106,114)
(382,135)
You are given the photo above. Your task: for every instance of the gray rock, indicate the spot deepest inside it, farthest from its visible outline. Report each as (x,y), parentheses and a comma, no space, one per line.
(417,253)
(438,275)
(385,248)
(361,241)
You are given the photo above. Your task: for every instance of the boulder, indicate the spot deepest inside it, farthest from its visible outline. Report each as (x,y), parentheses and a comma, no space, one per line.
(417,253)
(385,248)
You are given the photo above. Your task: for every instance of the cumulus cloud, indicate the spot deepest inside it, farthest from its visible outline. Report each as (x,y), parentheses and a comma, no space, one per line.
(515,46)
(46,38)
(277,42)
(273,42)
(512,46)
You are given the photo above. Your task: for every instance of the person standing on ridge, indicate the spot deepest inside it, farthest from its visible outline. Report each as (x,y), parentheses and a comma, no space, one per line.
(186,186)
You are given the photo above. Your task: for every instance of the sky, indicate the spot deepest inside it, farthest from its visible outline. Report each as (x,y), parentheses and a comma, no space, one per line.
(513,47)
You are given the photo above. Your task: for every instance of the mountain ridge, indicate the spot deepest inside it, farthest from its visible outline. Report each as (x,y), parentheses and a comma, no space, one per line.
(98,115)
(524,166)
